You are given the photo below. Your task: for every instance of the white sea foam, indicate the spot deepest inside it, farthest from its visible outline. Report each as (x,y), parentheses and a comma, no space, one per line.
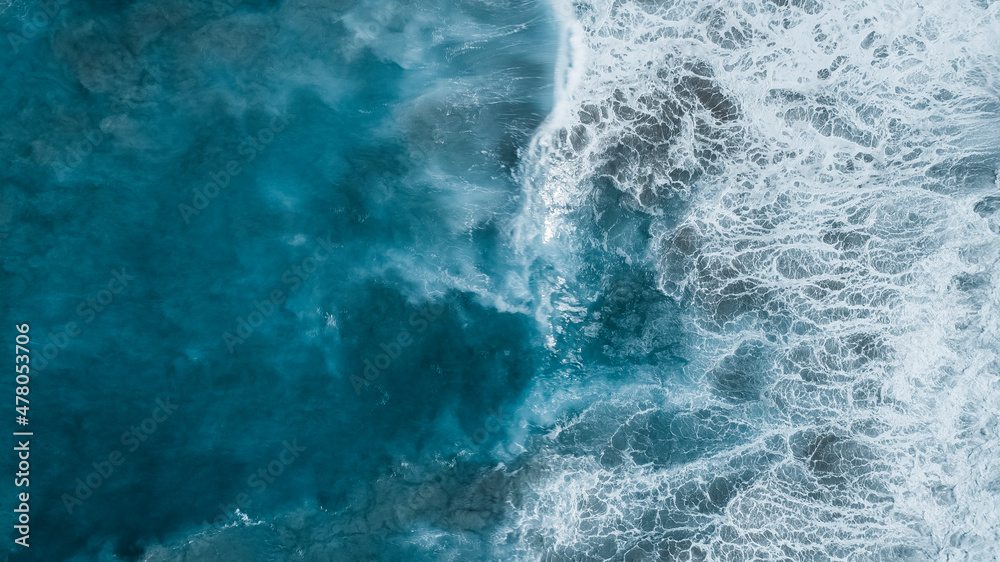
(837,256)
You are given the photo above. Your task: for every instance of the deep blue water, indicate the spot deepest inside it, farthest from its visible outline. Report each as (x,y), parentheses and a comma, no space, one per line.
(503,280)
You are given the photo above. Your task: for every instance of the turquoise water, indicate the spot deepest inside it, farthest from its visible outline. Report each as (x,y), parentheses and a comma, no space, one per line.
(489,280)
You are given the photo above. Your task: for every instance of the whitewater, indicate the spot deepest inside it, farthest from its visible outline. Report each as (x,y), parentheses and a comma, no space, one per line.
(821,186)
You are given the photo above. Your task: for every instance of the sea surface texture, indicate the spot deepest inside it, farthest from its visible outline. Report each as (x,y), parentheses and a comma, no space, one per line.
(455,280)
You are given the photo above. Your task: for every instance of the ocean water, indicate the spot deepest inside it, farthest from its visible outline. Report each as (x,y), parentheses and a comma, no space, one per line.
(619,280)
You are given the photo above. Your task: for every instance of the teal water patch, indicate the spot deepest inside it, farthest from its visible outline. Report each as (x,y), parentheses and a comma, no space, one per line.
(284,186)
